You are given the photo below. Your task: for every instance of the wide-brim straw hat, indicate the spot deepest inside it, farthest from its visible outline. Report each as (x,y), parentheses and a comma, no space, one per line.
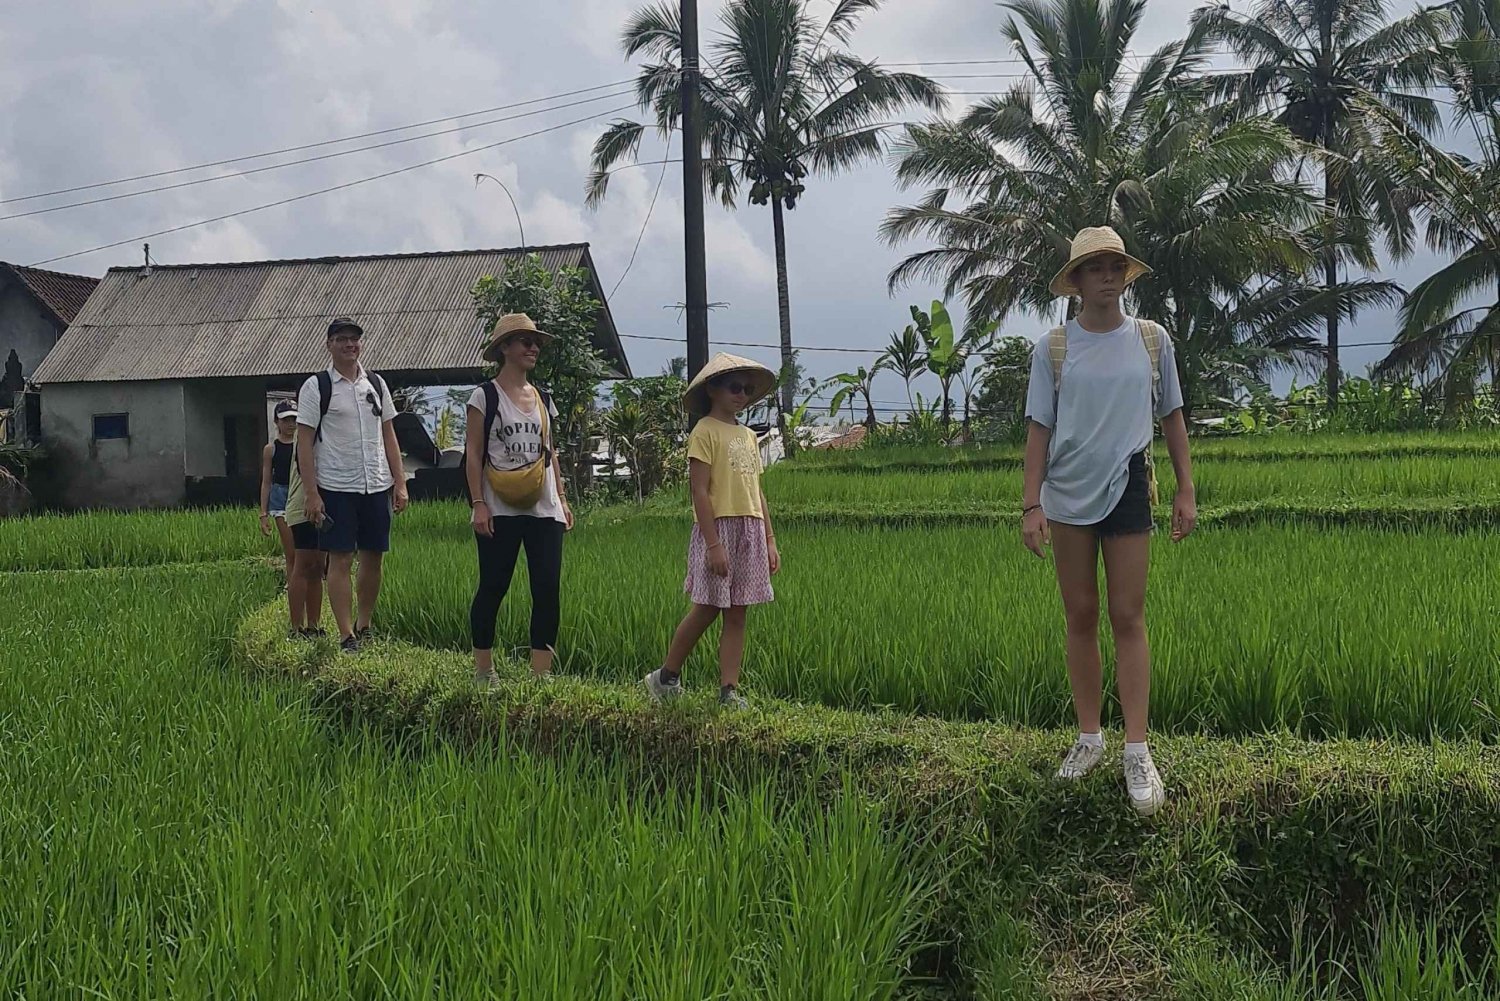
(762,380)
(1092,243)
(509,326)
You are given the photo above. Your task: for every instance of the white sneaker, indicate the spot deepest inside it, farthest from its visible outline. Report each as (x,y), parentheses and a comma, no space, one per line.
(1143,783)
(1082,758)
(660,691)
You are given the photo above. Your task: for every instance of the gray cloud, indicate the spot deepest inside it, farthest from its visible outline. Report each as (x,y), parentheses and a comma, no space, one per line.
(95,90)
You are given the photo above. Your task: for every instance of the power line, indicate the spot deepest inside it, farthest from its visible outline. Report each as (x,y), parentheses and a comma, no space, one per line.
(296,149)
(336,187)
(666,159)
(312,159)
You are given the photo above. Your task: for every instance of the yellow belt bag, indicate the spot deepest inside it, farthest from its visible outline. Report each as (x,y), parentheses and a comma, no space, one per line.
(520,488)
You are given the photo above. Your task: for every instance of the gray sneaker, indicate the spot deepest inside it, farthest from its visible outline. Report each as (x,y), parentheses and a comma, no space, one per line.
(1143,783)
(658,690)
(732,699)
(486,681)
(1082,758)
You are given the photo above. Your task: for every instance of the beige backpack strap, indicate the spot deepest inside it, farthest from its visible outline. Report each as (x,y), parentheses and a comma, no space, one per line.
(1057,350)
(1151,335)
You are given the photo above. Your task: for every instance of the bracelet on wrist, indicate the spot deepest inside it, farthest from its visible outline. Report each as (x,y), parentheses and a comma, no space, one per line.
(716,545)
(1027,510)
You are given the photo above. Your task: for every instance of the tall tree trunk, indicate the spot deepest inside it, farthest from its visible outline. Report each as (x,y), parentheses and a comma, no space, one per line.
(1330,279)
(784,315)
(869,413)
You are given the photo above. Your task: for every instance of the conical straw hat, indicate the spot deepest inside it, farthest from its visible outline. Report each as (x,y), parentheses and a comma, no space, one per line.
(762,379)
(1091,243)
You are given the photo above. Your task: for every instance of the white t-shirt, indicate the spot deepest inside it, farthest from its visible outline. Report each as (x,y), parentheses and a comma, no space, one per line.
(516,441)
(351,453)
(1101,417)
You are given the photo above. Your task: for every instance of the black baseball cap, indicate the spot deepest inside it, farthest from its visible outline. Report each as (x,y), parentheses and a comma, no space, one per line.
(286,408)
(344,323)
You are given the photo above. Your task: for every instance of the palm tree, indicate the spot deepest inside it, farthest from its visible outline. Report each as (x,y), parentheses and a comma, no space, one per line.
(905,357)
(1321,66)
(1019,174)
(782,99)
(1232,242)
(1439,337)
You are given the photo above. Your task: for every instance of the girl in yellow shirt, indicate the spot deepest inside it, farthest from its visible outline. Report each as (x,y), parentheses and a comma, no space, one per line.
(732,553)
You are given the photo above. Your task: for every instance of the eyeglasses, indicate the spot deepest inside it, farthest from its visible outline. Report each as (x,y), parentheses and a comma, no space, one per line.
(345,338)
(374,402)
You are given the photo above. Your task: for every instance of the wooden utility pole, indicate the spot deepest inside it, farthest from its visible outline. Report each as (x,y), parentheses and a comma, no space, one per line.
(692,196)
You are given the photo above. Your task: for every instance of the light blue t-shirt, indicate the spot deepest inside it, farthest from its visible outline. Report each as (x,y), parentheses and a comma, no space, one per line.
(1101,417)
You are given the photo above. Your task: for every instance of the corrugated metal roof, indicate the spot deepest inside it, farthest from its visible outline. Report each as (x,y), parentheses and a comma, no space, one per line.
(61,293)
(268,318)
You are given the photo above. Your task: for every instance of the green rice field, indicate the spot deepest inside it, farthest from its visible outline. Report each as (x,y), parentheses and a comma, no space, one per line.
(1218,482)
(179,824)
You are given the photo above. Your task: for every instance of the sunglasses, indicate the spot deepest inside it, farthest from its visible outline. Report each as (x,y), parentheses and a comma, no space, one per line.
(527,341)
(737,388)
(374,402)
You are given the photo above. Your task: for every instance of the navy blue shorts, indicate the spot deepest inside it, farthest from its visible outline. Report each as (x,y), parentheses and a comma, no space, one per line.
(1132,516)
(358,522)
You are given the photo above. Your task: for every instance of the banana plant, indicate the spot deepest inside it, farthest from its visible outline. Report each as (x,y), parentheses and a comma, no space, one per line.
(948,354)
(859,383)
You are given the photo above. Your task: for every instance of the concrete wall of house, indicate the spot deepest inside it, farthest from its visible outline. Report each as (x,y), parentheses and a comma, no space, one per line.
(144,470)
(206,404)
(24,328)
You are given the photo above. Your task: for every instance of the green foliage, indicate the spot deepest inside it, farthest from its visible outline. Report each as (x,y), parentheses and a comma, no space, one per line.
(1003,381)
(860,383)
(571,368)
(647,427)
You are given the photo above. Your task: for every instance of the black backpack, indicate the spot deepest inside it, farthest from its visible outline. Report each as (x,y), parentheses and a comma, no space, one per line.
(492,408)
(325,396)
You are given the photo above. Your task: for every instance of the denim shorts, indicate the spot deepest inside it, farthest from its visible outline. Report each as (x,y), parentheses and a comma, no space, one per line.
(1132,515)
(276,504)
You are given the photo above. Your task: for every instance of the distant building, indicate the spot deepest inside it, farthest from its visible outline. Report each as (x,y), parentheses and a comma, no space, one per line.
(36,306)
(156,395)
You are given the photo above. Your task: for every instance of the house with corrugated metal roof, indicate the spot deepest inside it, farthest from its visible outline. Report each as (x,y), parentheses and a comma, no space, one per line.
(156,394)
(36,306)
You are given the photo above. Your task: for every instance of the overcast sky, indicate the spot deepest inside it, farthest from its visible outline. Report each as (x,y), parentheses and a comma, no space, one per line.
(91,91)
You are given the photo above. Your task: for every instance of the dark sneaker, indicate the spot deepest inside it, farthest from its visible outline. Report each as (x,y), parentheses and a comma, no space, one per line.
(732,699)
(350,644)
(364,635)
(314,634)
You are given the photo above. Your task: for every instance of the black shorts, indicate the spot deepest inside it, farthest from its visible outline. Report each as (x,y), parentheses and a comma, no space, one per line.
(359,522)
(1132,516)
(305,537)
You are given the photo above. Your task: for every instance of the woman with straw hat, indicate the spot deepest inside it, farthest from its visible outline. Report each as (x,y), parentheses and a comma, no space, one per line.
(1098,384)
(516,493)
(732,553)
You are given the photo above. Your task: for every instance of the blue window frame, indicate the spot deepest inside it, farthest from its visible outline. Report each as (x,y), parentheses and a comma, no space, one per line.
(109,427)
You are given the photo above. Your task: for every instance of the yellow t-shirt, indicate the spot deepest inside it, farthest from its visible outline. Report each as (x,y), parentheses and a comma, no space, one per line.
(733,459)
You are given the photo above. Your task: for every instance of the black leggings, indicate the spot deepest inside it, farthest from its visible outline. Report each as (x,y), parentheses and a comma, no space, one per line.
(543,538)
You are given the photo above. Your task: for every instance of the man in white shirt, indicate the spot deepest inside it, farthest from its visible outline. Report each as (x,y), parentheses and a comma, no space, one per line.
(350,467)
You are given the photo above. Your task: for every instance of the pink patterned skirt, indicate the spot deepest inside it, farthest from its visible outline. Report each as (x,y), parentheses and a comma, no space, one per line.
(749,580)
